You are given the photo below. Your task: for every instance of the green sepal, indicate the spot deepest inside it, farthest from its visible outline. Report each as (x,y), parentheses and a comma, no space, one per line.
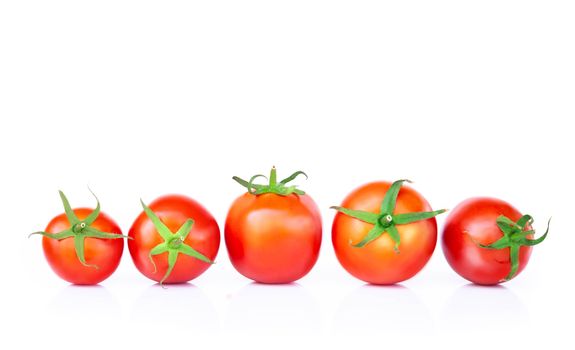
(374,233)
(394,234)
(89,220)
(273,185)
(364,216)
(390,198)
(162,229)
(93,233)
(72,218)
(57,236)
(187,250)
(402,219)
(79,246)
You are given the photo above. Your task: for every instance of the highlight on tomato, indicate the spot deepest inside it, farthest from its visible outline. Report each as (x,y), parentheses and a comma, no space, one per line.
(82,246)
(384,233)
(174,240)
(487,241)
(273,231)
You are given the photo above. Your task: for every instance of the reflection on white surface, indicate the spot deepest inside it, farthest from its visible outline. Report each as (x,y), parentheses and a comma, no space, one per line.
(258,308)
(84,304)
(485,309)
(382,310)
(183,304)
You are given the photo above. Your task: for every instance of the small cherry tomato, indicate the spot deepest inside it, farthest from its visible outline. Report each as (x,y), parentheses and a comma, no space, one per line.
(82,246)
(273,232)
(384,233)
(488,241)
(174,240)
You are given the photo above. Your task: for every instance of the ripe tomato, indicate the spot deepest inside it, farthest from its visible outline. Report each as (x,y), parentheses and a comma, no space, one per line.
(82,246)
(273,232)
(174,240)
(488,241)
(384,233)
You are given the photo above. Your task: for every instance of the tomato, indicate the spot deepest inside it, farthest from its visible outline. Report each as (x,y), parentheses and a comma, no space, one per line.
(174,240)
(82,246)
(273,232)
(487,241)
(384,233)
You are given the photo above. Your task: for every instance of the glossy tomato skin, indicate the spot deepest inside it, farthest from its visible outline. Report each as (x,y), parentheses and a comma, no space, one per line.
(475,220)
(377,262)
(104,253)
(272,238)
(174,210)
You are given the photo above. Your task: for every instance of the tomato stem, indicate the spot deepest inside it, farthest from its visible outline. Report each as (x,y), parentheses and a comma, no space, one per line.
(279,188)
(514,237)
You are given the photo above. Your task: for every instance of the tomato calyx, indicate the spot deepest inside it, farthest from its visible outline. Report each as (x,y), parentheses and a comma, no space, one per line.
(173,243)
(80,229)
(385,221)
(514,236)
(279,188)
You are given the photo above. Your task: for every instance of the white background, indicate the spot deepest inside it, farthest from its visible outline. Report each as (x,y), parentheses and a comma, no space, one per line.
(143,98)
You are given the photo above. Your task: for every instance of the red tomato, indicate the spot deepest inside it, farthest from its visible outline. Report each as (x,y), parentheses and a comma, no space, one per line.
(365,241)
(273,234)
(174,240)
(87,252)
(474,222)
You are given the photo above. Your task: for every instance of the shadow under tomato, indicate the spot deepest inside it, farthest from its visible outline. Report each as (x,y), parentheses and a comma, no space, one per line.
(483,309)
(184,304)
(86,304)
(382,310)
(273,309)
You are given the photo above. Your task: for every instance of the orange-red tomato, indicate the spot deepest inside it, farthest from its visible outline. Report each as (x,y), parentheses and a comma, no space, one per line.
(105,254)
(377,262)
(173,211)
(272,238)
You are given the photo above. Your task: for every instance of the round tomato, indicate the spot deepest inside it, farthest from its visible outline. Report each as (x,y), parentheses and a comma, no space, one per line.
(384,233)
(273,232)
(174,240)
(488,241)
(82,246)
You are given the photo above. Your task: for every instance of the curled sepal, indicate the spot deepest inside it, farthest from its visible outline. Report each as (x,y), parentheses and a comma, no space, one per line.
(173,243)
(80,229)
(514,236)
(293,177)
(79,246)
(89,220)
(533,242)
(273,185)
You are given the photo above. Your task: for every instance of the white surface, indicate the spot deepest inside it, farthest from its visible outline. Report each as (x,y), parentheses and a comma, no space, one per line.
(140,98)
